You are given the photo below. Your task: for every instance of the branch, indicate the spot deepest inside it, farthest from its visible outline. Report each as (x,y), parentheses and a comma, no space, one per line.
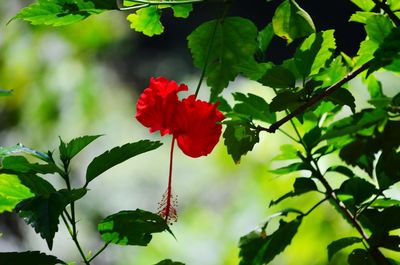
(388,11)
(314,100)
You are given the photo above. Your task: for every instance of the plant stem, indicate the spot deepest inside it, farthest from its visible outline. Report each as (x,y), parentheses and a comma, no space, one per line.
(317,98)
(388,11)
(315,206)
(71,218)
(75,239)
(145,3)
(98,252)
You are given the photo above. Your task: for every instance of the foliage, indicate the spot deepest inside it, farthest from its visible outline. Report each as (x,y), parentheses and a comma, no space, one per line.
(311,103)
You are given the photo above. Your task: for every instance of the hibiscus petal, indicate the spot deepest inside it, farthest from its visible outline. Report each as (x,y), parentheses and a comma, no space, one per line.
(156,105)
(195,127)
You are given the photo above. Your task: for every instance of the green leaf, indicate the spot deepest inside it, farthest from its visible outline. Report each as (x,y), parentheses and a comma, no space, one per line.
(29,257)
(42,212)
(394,5)
(258,249)
(5,93)
(333,73)
(288,151)
(359,153)
(359,188)
(381,222)
(359,121)
(37,185)
(147,21)
(360,257)
(71,149)
(182,11)
(343,97)
(132,227)
(278,77)
(366,5)
(361,16)
(285,100)
(342,170)
(388,51)
(253,106)
(169,262)
(337,245)
(61,12)
(264,38)
(118,155)
(312,138)
(20,148)
(12,192)
(19,164)
(314,52)
(252,69)
(239,139)
(385,203)
(366,52)
(374,87)
(378,27)
(387,169)
(300,186)
(291,22)
(233,41)
(290,168)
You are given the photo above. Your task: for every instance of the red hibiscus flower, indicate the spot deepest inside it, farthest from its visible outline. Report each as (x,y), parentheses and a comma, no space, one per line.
(192,122)
(195,126)
(156,105)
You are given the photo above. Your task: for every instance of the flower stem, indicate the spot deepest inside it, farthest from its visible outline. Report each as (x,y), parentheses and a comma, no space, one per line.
(169,191)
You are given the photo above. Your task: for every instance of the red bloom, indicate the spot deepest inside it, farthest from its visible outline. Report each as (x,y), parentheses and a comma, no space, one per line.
(156,105)
(195,126)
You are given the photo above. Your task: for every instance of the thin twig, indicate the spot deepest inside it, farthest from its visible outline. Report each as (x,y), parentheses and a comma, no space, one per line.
(98,252)
(314,100)
(388,11)
(315,206)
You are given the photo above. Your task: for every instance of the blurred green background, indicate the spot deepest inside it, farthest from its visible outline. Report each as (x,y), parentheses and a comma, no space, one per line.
(85,79)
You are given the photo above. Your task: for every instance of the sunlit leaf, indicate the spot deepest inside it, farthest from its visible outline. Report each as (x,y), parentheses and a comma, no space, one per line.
(147,21)
(239,139)
(182,11)
(388,51)
(12,192)
(132,227)
(72,148)
(118,155)
(19,164)
(361,16)
(340,244)
(378,27)
(366,5)
(62,12)
(290,21)
(234,41)
(314,52)
(29,257)
(333,73)
(290,168)
(288,151)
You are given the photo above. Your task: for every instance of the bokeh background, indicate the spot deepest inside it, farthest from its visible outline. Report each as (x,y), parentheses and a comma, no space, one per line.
(85,79)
